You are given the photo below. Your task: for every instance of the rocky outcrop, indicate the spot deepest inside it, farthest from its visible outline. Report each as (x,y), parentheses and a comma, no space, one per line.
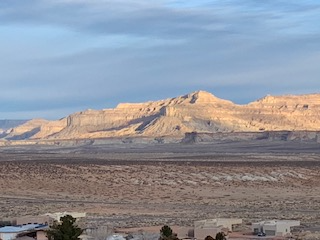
(285,112)
(171,117)
(50,128)
(35,129)
(199,112)
(25,130)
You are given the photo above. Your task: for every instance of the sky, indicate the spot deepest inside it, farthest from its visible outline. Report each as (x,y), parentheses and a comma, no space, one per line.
(62,56)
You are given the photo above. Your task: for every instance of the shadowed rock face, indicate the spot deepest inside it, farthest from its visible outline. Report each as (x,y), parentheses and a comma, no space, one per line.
(35,129)
(196,112)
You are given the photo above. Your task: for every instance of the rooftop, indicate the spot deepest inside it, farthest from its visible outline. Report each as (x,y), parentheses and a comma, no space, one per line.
(22,228)
(274,222)
(209,223)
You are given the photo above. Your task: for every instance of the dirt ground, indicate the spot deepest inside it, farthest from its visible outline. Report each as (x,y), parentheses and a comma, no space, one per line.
(135,186)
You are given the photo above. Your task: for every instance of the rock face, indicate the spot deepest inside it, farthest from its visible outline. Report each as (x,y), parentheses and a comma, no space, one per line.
(35,129)
(199,112)
(25,130)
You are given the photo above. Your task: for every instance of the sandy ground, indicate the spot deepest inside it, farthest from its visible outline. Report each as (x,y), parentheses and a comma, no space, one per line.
(135,187)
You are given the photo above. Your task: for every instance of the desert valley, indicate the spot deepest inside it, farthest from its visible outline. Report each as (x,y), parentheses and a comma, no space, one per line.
(159,120)
(169,162)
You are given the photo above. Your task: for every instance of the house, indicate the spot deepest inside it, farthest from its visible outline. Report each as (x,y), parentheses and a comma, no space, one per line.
(46,220)
(35,231)
(116,237)
(274,227)
(211,227)
(56,216)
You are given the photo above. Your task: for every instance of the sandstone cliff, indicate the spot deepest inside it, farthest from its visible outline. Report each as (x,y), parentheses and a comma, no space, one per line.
(26,130)
(196,112)
(35,129)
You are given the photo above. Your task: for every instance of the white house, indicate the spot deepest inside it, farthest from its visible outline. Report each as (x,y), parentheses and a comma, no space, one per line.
(116,237)
(210,227)
(56,216)
(275,227)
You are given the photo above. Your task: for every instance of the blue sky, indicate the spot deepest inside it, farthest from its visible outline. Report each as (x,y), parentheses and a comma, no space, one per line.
(62,56)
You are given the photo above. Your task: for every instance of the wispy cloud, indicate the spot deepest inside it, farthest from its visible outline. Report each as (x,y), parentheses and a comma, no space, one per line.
(74,54)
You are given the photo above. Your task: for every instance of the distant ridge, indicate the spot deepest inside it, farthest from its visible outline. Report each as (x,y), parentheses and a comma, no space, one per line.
(199,112)
(10,123)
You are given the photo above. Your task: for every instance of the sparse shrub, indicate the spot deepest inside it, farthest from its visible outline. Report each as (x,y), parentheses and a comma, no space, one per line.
(209,238)
(220,236)
(166,233)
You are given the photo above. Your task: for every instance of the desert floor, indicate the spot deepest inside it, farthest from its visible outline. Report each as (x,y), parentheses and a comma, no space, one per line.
(138,185)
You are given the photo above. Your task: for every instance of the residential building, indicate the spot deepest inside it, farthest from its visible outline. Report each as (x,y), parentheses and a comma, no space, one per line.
(56,216)
(211,227)
(46,220)
(275,227)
